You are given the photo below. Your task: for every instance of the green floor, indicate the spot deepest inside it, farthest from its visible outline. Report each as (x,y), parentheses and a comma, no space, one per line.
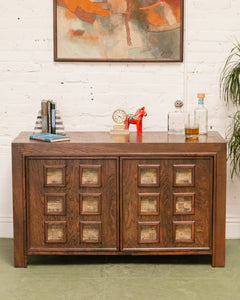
(70,278)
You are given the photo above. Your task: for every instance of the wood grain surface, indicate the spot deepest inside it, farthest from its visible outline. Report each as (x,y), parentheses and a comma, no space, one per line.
(103,197)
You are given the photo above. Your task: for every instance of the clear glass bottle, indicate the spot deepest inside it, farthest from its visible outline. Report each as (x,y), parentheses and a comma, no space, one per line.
(177,119)
(201,115)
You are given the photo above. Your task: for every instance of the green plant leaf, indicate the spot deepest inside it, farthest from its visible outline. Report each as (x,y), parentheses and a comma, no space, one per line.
(230,77)
(234,145)
(230,92)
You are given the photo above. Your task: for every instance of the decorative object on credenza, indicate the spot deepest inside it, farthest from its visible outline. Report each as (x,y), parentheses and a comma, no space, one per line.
(49,137)
(177,119)
(126,30)
(119,116)
(201,114)
(44,116)
(136,119)
(53,117)
(48,119)
(192,130)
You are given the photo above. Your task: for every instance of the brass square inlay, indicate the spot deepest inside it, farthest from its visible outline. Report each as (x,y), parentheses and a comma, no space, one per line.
(90,204)
(183,203)
(55,204)
(55,232)
(148,232)
(184,176)
(91,232)
(148,175)
(148,203)
(55,175)
(90,175)
(184,231)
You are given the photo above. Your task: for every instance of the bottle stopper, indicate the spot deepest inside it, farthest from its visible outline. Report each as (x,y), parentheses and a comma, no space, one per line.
(178,103)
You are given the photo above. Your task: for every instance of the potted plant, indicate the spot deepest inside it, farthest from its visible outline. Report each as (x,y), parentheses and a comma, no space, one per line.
(230,92)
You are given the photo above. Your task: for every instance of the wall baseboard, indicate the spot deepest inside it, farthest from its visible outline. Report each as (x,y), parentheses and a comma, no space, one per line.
(6,227)
(232,227)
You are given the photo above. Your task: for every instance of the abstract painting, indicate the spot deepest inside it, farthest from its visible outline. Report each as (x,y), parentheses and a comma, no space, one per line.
(118,30)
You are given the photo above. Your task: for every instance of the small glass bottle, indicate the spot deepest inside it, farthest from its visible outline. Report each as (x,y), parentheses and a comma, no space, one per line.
(201,115)
(177,119)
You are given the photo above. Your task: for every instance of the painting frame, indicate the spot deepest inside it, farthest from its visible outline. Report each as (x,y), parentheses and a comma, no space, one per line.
(67,58)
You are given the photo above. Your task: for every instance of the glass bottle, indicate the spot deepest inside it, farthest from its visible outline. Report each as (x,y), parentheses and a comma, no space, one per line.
(177,119)
(201,115)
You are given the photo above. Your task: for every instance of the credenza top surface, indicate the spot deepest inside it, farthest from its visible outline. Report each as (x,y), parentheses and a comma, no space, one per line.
(154,137)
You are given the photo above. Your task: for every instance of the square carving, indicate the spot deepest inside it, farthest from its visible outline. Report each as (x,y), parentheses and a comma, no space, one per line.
(55,204)
(90,232)
(183,203)
(148,175)
(183,231)
(90,175)
(55,232)
(183,175)
(149,232)
(90,204)
(148,203)
(54,175)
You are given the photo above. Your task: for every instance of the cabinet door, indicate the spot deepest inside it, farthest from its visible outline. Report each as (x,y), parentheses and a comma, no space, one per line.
(72,204)
(166,204)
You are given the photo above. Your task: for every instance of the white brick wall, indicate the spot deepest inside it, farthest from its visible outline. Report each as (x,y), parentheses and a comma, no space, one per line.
(87,93)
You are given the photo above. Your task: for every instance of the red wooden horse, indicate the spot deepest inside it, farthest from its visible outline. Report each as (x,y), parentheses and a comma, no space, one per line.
(136,119)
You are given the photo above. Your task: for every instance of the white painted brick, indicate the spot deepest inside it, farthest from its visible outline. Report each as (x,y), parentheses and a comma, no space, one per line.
(203,5)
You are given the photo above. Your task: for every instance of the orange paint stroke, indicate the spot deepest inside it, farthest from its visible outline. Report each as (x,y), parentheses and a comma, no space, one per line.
(81,34)
(69,15)
(176,7)
(157,17)
(85,16)
(151,6)
(87,6)
(79,13)
(77,32)
(61,3)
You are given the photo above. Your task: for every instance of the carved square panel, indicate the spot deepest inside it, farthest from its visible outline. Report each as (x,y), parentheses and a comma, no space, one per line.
(55,232)
(90,175)
(90,232)
(90,204)
(184,175)
(183,203)
(148,232)
(54,175)
(148,203)
(184,231)
(148,175)
(55,204)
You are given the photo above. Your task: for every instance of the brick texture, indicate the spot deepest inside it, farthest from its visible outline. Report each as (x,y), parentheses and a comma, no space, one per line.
(87,93)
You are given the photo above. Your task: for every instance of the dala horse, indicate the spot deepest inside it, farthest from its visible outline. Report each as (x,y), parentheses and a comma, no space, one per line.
(136,119)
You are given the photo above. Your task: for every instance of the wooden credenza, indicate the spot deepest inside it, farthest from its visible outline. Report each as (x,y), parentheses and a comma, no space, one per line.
(149,194)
